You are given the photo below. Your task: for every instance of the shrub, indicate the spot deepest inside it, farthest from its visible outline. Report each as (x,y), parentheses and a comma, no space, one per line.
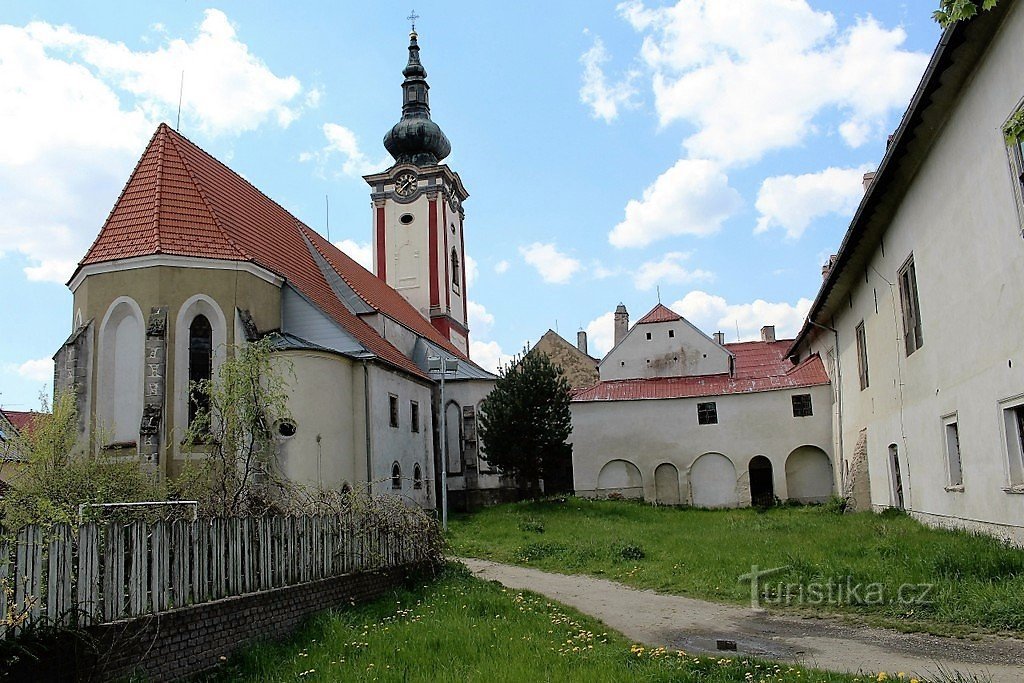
(531,524)
(630,551)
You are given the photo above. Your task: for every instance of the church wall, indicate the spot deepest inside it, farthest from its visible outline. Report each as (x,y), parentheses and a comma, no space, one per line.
(648,433)
(172,287)
(959,220)
(686,352)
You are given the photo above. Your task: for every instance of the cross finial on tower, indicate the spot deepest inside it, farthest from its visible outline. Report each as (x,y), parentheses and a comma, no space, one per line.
(412,20)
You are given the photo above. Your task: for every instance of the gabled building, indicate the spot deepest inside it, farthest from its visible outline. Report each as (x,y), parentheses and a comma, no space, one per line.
(578,367)
(919,316)
(194,260)
(679,417)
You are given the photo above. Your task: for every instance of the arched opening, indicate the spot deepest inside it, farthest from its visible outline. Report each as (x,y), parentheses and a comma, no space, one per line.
(122,351)
(666,484)
(762,482)
(895,477)
(453,436)
(396,476)
(809,475)
(200,367)
(455,269)
(417,476)
(713,481)
(622,478)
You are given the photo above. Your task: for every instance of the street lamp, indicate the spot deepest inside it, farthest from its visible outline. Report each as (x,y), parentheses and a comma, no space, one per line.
(443,366)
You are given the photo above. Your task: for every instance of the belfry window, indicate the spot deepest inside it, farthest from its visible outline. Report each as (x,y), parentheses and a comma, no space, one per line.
(396,476)
(200,367)
(455,270)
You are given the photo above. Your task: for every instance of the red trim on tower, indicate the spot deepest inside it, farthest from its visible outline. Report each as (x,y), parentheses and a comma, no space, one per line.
(432,237)
(447,273)
(443,325)
(465,291)
(382,257)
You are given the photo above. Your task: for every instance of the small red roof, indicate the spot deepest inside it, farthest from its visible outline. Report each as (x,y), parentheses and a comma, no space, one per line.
(23,421)
(181,201)
(759,366)
(659,314)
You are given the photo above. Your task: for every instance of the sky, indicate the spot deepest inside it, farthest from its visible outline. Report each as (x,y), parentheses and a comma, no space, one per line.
(706,152)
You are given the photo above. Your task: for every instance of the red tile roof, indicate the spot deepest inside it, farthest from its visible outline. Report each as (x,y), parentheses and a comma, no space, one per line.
(181,201)
(759,366)
(21,420)
(659,314)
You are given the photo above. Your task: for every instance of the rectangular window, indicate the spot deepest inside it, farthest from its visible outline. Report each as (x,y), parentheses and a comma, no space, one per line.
(1015,156)
(862,356)
(707,413)
(671,334)
(394,409)
(1013,424)
(648,335)
(912,335)
(414,410)
(802,405)
(953,465)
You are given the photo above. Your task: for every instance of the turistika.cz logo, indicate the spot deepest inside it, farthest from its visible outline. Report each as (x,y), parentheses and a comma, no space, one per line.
(831,591)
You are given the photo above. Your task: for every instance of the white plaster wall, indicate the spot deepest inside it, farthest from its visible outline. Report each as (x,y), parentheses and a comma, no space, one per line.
(688,352)
(959,220)
(400,443)
(408,251)
(649,433)
(121,353)
(472,392)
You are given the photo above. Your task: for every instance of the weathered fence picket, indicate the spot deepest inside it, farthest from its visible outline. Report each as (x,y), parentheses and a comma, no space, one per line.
(108,571)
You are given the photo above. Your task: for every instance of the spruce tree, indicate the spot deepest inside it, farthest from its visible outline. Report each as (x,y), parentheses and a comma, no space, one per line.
(525,421)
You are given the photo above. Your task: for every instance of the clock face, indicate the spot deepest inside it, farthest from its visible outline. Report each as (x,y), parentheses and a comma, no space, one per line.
(405,184)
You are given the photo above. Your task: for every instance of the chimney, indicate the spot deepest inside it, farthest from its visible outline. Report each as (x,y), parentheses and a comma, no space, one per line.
(826,268)
(720,338)
(581,341)
(868,178)
(768,333)
(621,323)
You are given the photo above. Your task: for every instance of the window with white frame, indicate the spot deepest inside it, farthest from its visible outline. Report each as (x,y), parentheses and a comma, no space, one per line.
(954,467)
(913,336)
(1013,429)
(1013,135)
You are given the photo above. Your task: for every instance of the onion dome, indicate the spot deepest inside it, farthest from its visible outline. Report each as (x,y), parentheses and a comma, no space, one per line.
(416,139)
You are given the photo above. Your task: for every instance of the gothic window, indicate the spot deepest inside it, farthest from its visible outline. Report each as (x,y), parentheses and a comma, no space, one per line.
(396,476)
(200,366)
(455,270)
(417,476)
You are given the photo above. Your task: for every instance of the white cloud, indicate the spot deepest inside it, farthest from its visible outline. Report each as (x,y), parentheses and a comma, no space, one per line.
(553,266)
(713,313)
(794,202)
(472,271)
(501,267)
(604,98)
(76,111)
(754,75)
(488,355)
(361,252)
(480,320)
(341,140)
(39,370)
(691,198)
(601,334)
(668,271)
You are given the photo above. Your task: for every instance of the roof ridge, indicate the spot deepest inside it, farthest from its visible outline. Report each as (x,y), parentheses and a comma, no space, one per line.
(156,192)
(202,192)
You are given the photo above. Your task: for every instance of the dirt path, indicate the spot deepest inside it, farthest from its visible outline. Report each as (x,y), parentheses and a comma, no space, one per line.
(694,625)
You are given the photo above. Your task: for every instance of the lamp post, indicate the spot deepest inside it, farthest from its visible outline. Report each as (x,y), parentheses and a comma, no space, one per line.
(443,366)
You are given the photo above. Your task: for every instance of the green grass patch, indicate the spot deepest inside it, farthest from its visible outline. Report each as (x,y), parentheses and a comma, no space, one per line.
(954,582)
(464,629)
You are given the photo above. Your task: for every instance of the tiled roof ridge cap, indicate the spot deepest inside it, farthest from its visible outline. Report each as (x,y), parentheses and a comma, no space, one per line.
(202,191)
(156,192)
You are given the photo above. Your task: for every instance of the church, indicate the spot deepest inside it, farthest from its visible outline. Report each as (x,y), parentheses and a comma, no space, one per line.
(193,261)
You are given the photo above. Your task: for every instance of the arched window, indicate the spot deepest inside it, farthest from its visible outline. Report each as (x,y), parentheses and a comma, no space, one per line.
(455,269)
(200,366)
(417,476)
(396,477)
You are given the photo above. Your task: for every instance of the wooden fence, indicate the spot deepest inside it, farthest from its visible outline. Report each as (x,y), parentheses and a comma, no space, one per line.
(108,571)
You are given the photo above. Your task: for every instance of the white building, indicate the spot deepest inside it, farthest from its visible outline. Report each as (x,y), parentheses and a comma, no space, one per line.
(920,317)
(679,417)
(193,260)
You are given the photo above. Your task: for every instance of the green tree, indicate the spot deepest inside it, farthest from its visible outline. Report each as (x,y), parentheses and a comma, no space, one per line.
(952,11)
(60,472)
(241,407)
(525,421)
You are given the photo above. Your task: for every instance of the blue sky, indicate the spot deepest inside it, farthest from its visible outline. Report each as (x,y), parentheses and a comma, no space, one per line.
(710,149)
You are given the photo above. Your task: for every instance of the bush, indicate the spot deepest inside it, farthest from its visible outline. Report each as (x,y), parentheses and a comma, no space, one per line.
(531,524)
(630,551)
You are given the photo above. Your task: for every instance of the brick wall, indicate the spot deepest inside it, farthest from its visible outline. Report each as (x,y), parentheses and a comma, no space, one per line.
(181,643)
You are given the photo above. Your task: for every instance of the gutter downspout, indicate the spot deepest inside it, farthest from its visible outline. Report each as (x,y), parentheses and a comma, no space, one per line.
(369,441)
(839,401)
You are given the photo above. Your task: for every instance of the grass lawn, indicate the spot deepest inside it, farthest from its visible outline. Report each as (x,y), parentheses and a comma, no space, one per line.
(977,582)
(464,629)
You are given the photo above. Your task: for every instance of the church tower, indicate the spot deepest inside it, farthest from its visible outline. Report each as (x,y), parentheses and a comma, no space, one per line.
(418,244)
